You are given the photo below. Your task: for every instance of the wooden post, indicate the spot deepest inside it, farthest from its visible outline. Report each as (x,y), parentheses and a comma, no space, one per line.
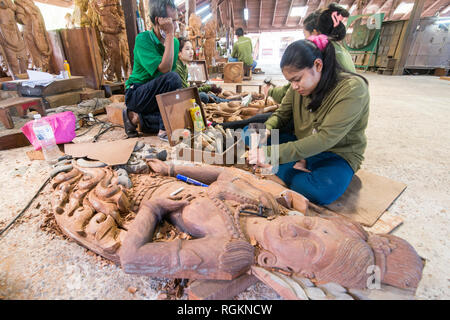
(192,7)
(407,41)
(129,10)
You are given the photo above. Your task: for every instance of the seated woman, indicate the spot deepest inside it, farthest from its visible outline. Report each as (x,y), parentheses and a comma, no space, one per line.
(330,110)
(329,23)
(185,56)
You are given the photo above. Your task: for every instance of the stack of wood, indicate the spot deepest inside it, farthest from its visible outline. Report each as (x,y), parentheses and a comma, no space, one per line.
(236,110)
(60,92)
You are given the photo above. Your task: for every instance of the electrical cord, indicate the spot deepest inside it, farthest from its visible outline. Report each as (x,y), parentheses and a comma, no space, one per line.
(26,207)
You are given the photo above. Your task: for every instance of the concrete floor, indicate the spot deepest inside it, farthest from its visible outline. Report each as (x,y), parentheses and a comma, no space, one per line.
(408,141)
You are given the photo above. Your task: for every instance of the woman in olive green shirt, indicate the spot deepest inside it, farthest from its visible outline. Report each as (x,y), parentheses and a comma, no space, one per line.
(327,22)
(330,111)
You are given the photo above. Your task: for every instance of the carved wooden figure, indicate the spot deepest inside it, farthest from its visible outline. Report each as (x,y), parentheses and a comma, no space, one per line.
(226,235)
(195,25)
(111,25)
(35,33)
(209,46)
(13,55)
(80,17)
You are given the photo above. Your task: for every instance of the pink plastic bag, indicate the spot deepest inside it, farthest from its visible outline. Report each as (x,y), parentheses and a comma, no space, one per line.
(63,125)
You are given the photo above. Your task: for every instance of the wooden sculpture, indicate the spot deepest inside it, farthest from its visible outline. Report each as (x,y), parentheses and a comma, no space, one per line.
(80,17)
(35,34)
(237,221)
(109,20)
(209,46)
(233,72)
(13,55)
(195,25)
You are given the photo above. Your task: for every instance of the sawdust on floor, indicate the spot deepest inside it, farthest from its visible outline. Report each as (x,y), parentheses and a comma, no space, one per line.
(408,141)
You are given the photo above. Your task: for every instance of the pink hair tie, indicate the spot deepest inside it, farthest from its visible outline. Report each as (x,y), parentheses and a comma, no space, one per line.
(320,41)
(337,17)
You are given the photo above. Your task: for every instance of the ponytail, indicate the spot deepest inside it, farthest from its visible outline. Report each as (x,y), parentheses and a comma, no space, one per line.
(330,22)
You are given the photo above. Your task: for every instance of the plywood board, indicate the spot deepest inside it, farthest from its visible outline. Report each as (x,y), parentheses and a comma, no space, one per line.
(112,153)
(83,54)
(367,197)
(385,224)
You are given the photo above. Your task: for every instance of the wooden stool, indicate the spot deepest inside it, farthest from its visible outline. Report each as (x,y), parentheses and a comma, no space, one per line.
(21,104)
(247,72)
(240,85)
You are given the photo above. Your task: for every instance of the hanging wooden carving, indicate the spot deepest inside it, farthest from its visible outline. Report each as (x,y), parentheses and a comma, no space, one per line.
(108,18)
(34,33)
(13,55)
(209,46)
(80,17)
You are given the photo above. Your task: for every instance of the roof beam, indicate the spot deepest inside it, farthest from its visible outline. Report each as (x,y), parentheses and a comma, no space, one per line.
(289,12)
(260,13)
(274,12)
(433,8)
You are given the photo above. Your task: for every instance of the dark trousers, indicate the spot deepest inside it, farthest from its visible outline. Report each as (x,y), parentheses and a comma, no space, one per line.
(141,98)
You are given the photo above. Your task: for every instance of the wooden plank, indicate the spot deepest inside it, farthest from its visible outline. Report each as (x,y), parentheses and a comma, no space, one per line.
(63,99)
(14,140)
(83,54)
(220,289)
(386,224)
(414,20)
(367,197)
(129,11)
(56,87)
(58,56)
(114,112)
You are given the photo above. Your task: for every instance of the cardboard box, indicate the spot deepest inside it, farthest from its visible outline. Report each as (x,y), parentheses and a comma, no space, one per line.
(174,107)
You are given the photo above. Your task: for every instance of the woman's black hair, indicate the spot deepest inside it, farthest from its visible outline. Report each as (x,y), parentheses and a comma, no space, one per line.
(182,42)
(158,8)
(310,22)
(325,24)
(301,54)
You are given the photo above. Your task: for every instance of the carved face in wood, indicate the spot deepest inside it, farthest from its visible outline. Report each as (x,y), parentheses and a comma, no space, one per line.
(302,243)
(336,250)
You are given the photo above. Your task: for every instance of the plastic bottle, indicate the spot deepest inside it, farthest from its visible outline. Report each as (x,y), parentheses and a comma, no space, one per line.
(67,68)
(197,118)
(44,133)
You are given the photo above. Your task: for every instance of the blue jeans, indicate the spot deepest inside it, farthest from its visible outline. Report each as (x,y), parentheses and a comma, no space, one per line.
(236,60)
(330,175)
(205,97)
(141,98)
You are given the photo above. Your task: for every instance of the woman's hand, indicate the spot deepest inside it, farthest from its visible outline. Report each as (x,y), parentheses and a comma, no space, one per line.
(257,157)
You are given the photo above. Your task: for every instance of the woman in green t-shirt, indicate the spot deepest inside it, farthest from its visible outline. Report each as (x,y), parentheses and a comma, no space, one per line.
(185,56)
(330,111)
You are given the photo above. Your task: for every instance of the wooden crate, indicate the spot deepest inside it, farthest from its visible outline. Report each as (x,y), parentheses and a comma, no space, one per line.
(174,107)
